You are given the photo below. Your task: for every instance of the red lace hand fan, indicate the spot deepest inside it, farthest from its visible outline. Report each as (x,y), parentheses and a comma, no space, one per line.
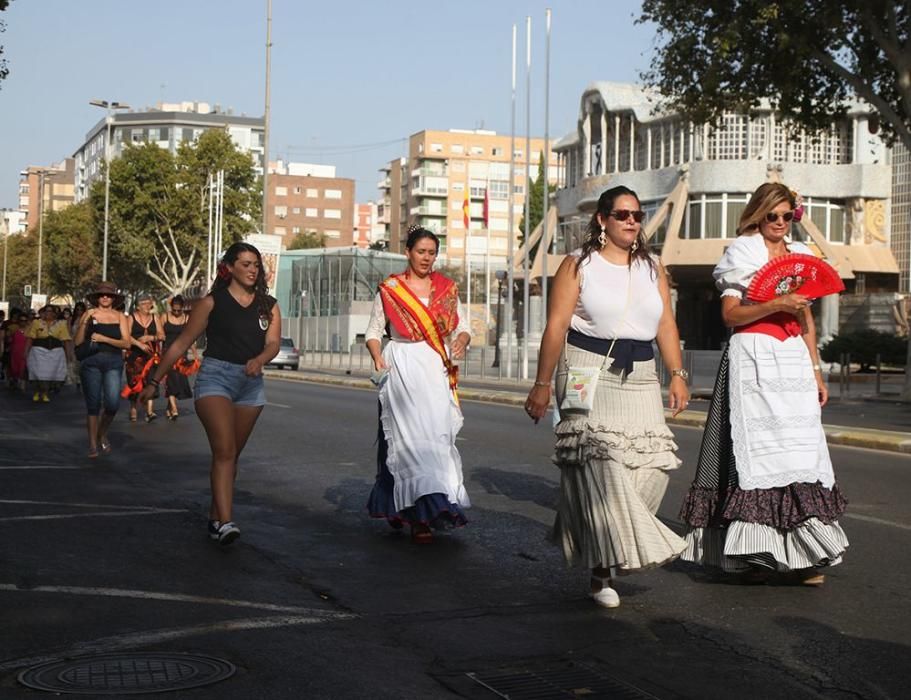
(795,272)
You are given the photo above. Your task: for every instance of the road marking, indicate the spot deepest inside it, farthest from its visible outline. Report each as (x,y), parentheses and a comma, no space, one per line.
(278,405)
(876,521)
(101,514)
(45,466)
(80,505)
(132,640)
(156,595)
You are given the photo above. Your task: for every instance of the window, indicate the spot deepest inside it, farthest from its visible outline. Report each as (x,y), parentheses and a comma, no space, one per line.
(456,223)
(311,211)
(457,148)
(281,210)
(280,231)
(281,191)
(455,205)
(332,233)
(458,166)
(477,151)
(164,133)
(295,229)
(458,186)
(297,190)
(496,151)
(499,189)
(332,213)
(312,192)
(296,210)
(436,148)
(333,194)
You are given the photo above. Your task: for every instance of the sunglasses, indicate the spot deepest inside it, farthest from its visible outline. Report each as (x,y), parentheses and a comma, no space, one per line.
(105,296)
(624,214)
(772,217)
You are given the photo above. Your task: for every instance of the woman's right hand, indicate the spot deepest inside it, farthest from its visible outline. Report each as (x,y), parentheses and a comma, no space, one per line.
(147,393)
(379,364)
(537,402)
(793,303)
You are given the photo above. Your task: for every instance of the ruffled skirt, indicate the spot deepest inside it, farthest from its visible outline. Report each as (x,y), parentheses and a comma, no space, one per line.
(614,463)
(783,528)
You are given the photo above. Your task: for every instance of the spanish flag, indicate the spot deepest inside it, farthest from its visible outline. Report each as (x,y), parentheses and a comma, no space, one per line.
(466,206)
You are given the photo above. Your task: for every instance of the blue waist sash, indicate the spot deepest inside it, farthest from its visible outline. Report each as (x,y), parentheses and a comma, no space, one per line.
(626,351)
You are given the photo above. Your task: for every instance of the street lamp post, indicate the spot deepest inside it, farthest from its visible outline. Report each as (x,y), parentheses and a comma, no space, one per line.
(109,106)
(501,277)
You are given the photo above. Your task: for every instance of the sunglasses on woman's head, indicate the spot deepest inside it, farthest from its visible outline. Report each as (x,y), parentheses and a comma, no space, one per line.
(772,217)
(624,214)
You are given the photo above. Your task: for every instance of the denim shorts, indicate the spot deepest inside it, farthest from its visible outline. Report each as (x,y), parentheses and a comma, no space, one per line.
(220,378)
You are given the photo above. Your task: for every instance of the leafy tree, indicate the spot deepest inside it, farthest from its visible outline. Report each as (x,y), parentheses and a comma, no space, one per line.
(72,265)
(159,210)
(307,239)
(4,71)
(535,190)
(864,345)
(379,245)
(809,58)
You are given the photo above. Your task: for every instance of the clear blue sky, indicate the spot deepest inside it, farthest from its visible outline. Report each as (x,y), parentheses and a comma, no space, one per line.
(344,72)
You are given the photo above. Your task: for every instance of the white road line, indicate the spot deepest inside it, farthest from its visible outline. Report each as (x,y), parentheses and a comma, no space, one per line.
(120,642)
(45,466)
(876,521)
(278,405)
(100,514)
(81,505)
(156,595)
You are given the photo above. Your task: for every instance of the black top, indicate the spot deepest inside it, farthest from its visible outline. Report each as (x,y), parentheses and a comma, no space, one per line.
(234,332)
(137,330)
(110,330)
(172,330)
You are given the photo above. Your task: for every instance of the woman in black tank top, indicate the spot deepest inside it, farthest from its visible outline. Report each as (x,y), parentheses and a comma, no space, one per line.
(145,333)
(177,385)
(242,324)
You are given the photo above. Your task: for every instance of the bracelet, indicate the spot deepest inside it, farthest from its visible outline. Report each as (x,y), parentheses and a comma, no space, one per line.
(537,383)
(817,368)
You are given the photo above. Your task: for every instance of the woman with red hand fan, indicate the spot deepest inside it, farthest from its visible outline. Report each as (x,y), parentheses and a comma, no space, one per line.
(765,501)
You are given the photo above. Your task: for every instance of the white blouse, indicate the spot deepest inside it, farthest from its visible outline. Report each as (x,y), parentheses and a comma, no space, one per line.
(376,327)
(742,260)
(601,311)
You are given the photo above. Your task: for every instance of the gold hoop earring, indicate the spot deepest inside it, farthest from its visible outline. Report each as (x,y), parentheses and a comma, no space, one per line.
(602,237)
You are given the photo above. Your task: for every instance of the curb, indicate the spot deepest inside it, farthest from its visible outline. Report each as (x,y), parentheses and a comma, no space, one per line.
(885,440)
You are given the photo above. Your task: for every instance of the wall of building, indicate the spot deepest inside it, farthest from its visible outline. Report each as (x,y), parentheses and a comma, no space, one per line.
(300,204)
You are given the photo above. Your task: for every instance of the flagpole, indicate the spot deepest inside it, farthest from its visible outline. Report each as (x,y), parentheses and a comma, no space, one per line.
(510,262)
(526,295)
(467,223)
(546,189)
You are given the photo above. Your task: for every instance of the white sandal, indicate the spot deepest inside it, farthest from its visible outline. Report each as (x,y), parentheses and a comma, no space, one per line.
(607,597)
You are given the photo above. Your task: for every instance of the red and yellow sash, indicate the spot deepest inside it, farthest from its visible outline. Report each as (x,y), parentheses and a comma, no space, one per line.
(415,321)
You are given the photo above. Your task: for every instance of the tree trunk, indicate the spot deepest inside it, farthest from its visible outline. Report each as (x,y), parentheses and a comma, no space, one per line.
(906,391)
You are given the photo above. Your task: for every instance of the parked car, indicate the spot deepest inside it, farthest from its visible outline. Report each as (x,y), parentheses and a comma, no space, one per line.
(288,356)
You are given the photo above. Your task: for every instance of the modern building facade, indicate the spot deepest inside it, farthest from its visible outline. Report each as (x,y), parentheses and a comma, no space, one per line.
(46,188)
(901,214)
(695,180)
(367,230)
(306,198)
(428,188)
(168,125)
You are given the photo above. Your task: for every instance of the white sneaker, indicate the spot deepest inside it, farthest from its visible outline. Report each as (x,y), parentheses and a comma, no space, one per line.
(227,533)
(607,597)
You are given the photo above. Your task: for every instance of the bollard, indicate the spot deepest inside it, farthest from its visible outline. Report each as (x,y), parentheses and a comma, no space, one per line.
(879,369)
(848,373)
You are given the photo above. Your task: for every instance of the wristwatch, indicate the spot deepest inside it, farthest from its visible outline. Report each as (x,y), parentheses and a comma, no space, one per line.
(682,373)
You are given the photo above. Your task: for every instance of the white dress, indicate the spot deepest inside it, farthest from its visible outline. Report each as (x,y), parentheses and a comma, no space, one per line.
(420,417)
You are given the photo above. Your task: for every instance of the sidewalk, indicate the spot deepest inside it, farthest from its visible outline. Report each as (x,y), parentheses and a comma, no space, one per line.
(868,422)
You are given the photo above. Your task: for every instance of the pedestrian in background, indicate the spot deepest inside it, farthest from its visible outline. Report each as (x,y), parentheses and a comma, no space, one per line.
(16,346)
(765,502)
(103,335)
(176,383)
(419,470)
(610,301)
(46,349)
(242,324)
(144,337)
(73,370)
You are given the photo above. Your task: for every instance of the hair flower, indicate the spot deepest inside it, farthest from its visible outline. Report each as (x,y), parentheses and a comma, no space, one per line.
(798,205)
(223,272)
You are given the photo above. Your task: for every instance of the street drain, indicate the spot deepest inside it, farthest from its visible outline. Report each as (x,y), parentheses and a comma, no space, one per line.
(565,680)
(126,674)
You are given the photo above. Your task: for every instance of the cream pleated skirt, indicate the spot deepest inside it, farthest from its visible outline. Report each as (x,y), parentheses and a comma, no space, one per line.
(614,464)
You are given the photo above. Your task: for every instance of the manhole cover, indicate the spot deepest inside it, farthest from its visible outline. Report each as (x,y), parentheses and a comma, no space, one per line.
(560,680)
(124,674)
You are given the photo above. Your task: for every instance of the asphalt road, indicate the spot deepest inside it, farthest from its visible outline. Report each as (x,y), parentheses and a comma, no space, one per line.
(318,601)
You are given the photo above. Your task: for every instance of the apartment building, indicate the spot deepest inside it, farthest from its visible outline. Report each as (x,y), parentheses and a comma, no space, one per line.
(694,180)
(308,198)
(429,186)
(46,188)
(367,230)
(901,214)
(168,125)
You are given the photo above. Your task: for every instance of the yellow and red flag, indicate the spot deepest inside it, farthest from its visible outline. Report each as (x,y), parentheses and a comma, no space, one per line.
(466,206)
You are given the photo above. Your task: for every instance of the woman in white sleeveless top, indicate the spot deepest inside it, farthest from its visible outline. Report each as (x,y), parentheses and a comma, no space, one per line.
(610,300)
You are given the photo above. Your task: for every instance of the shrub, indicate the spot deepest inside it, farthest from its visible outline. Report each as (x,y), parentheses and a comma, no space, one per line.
(864,345)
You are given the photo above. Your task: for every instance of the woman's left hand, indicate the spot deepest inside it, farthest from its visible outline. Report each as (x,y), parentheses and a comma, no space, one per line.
(678,395)
(459,345)
(254,367)
(537,402)
(822,391)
